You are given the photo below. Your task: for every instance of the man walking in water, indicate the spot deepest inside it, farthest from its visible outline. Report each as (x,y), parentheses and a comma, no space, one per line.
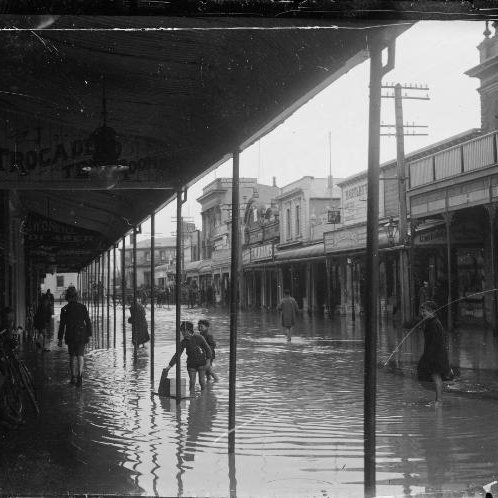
(76,327)
(289,309)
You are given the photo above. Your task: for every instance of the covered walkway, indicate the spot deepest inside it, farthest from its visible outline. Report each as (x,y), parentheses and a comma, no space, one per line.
(105,120)
(298,433)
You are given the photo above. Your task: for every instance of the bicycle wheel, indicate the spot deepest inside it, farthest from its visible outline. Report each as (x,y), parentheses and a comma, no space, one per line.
(26,381)
(11,409)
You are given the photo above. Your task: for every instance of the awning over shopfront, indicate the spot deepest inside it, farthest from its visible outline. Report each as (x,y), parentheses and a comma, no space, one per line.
(205,267)
(315,251)
(170,99)
(192,268)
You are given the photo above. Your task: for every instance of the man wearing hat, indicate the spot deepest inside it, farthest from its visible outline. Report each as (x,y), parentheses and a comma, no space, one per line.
(76,328)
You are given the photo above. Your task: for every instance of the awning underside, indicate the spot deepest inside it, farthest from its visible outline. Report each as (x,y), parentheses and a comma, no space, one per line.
(186,97)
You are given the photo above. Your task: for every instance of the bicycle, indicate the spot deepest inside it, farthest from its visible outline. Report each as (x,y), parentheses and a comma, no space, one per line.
(16,383)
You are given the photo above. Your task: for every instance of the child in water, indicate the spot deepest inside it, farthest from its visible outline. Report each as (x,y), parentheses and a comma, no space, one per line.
(203,326)
(198,354)
(434,364)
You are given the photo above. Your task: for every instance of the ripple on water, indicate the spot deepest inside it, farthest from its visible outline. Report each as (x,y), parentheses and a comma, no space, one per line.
(299,415)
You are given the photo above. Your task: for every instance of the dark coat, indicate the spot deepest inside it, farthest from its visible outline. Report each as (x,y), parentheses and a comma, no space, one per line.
(75,325)
(434,359)
(192,344)
(139,328)
(288,307)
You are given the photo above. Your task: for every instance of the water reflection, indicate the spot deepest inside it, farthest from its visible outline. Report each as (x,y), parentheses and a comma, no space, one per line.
(299,415)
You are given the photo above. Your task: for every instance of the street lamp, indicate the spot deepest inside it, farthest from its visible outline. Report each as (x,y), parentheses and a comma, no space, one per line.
(391,227)
(351,264)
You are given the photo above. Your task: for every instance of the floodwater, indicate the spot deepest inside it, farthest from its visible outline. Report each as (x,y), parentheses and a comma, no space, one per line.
(299,416)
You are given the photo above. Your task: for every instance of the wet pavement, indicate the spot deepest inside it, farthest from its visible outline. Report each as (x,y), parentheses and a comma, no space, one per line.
(299,417)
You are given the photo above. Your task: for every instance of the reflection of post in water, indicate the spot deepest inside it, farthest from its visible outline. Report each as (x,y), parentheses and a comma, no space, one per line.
(179,450)
(201,412)
(232,478)
(123,295)
(137,419)
(436,447)
(153,446)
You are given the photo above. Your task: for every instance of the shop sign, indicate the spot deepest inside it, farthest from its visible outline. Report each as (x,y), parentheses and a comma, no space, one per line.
(262,252)
(464,233)
(354,204)
(428,237)
(351,238)
(40,230)
(271,231)
(62,155)
(255,236)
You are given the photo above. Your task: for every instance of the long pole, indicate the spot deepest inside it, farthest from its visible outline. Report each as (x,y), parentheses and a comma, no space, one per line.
(179,236)
(108,296)
(134,240)
(403,231)
(123,293)
(152,280)
(234,287)
(98,300)
(103,295)
(372,266)
(114,292)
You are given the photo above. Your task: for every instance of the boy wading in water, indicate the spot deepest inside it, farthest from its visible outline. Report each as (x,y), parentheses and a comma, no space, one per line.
(434,364)
(203,326)
(198,353)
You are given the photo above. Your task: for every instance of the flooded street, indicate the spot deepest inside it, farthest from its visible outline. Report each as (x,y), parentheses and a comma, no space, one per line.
(299,417)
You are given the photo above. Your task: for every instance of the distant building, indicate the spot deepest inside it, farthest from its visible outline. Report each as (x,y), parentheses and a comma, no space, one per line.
(164,252)
(58,283)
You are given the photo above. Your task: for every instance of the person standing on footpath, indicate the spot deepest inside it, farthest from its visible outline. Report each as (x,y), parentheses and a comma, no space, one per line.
(76,328)
(288,307)
(51,301)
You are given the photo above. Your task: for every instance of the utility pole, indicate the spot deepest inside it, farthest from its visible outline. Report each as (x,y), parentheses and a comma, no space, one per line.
(402,130)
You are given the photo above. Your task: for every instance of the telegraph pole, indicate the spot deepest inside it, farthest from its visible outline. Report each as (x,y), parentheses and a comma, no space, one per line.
(402,130)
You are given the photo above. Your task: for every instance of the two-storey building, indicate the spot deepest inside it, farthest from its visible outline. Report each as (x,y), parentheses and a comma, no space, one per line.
(164,257)
(214,268)
(307,207)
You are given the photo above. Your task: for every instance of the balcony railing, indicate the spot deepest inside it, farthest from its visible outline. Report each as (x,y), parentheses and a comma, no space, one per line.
(475,154)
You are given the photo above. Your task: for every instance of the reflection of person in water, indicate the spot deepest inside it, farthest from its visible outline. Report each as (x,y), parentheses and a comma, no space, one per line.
(201,413)
(436,447)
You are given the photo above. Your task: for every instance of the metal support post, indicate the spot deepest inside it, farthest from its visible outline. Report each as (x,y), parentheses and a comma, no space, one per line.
(179,236)
(377,70)
(108,296)
(491,209)
(103,296)
(234,288)
(134,279)
(447,218)
(123,292)
(114,293)
(152,280)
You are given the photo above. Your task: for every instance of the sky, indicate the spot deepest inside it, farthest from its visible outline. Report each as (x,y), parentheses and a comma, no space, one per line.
(330,132)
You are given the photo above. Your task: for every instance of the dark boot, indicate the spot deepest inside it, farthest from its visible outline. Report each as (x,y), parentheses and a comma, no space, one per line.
(79,381)
(73,379)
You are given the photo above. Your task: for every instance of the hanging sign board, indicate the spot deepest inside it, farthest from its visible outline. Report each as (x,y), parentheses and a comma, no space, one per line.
(46,156)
